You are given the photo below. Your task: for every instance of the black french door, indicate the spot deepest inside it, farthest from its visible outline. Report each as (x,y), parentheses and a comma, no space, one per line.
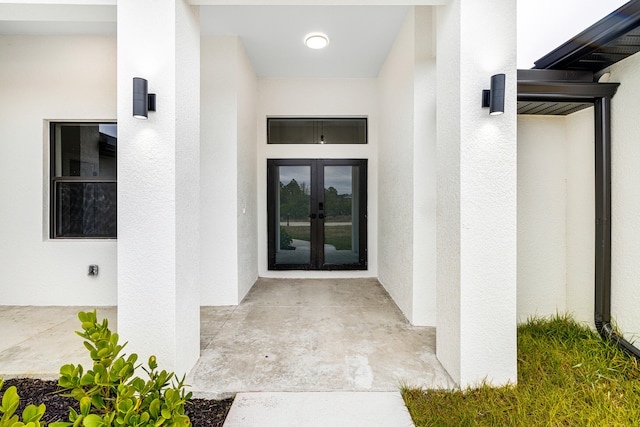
(317,214)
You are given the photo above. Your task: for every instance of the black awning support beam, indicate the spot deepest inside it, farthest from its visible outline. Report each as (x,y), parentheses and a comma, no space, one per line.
(558,91)
(602,212)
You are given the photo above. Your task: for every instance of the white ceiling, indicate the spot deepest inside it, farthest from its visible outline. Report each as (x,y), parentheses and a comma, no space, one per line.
(361,36)
(273,36)
(45,19)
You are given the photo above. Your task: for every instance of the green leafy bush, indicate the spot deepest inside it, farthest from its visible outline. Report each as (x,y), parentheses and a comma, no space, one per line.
(285,239)
(110,396)
(10,401)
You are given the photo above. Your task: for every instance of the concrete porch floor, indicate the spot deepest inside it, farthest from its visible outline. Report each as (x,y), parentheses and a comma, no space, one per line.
(287,335)
(313,335)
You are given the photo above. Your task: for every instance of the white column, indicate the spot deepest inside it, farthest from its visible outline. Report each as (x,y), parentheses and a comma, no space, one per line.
(476,193)
(158,183)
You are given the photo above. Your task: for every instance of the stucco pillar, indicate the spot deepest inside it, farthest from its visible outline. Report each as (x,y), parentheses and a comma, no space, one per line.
(476,193)
(158,183)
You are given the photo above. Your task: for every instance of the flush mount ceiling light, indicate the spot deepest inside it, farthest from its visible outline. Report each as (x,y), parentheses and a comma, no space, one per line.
(316,40)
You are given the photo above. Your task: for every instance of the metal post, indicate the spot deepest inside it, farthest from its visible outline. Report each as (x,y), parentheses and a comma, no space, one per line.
(603,210)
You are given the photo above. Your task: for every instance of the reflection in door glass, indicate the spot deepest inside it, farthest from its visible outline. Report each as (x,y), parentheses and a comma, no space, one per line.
(341,197)
(293,230)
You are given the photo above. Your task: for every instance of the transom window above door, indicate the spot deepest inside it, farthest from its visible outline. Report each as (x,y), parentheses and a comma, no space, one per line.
(311,130)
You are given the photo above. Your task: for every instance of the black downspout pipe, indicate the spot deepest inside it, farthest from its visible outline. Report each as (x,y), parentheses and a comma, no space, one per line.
(603,227)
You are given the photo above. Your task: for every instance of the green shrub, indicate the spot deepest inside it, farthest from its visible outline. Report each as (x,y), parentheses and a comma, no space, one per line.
(10,401)
(110,396)
(285,239)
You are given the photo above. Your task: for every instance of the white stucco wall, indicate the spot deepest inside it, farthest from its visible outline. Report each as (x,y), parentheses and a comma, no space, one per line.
(158,183)
(625,277)
(218,171)
(408,174)
(57,78)
(396,91)
(424,170)
(318,97)
(247,210)
(476,194)
(542,215)
(228,173)
(580,215)
(556,216)
(449,321)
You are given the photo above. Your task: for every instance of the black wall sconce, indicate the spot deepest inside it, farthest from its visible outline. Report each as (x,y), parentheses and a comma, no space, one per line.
(143,102)
(494,98)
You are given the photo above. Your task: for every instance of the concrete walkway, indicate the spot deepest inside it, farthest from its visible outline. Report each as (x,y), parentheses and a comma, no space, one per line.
(37,341)
(319,409)
(296,352)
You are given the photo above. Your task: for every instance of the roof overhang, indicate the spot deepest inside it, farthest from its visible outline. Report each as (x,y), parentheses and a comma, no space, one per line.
(565,80)
(612,39)
(559,92)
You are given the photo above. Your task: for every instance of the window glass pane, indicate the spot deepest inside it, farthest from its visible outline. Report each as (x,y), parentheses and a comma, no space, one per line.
(291,131)
(83,193)
(85,209)
(341,196)
(344,131)
(293,231)
(85,150)
(317,130)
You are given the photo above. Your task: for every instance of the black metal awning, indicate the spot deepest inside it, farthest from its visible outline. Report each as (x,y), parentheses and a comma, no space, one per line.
(564,81)
(552,92)
(612,39)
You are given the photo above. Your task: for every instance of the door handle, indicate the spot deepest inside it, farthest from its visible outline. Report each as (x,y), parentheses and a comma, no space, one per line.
(321,215)
(312,216)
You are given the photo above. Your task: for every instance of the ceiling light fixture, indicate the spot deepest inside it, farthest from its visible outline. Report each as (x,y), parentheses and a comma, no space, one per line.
(316,40)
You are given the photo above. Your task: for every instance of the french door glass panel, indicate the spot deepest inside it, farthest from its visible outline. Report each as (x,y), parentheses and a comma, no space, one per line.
(293,207)
(340,222)
(317,214)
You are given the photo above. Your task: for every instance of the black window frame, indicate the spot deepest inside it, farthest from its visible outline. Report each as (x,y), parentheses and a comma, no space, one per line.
(318,124)
(55,180)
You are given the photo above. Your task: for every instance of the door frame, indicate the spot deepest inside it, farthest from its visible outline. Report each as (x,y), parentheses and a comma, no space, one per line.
(317,262)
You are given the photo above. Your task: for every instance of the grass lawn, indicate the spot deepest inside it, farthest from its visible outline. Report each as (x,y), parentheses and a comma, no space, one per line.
(336,235)
(567,376)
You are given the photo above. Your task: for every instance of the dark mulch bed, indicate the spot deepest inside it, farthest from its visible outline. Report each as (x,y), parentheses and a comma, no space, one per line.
(203,412)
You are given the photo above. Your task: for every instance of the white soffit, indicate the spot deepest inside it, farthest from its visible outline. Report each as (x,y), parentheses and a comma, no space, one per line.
(273,36)
(49,18)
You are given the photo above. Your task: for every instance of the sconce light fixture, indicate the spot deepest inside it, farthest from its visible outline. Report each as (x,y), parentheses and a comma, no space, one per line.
(494,98)
(143,102)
